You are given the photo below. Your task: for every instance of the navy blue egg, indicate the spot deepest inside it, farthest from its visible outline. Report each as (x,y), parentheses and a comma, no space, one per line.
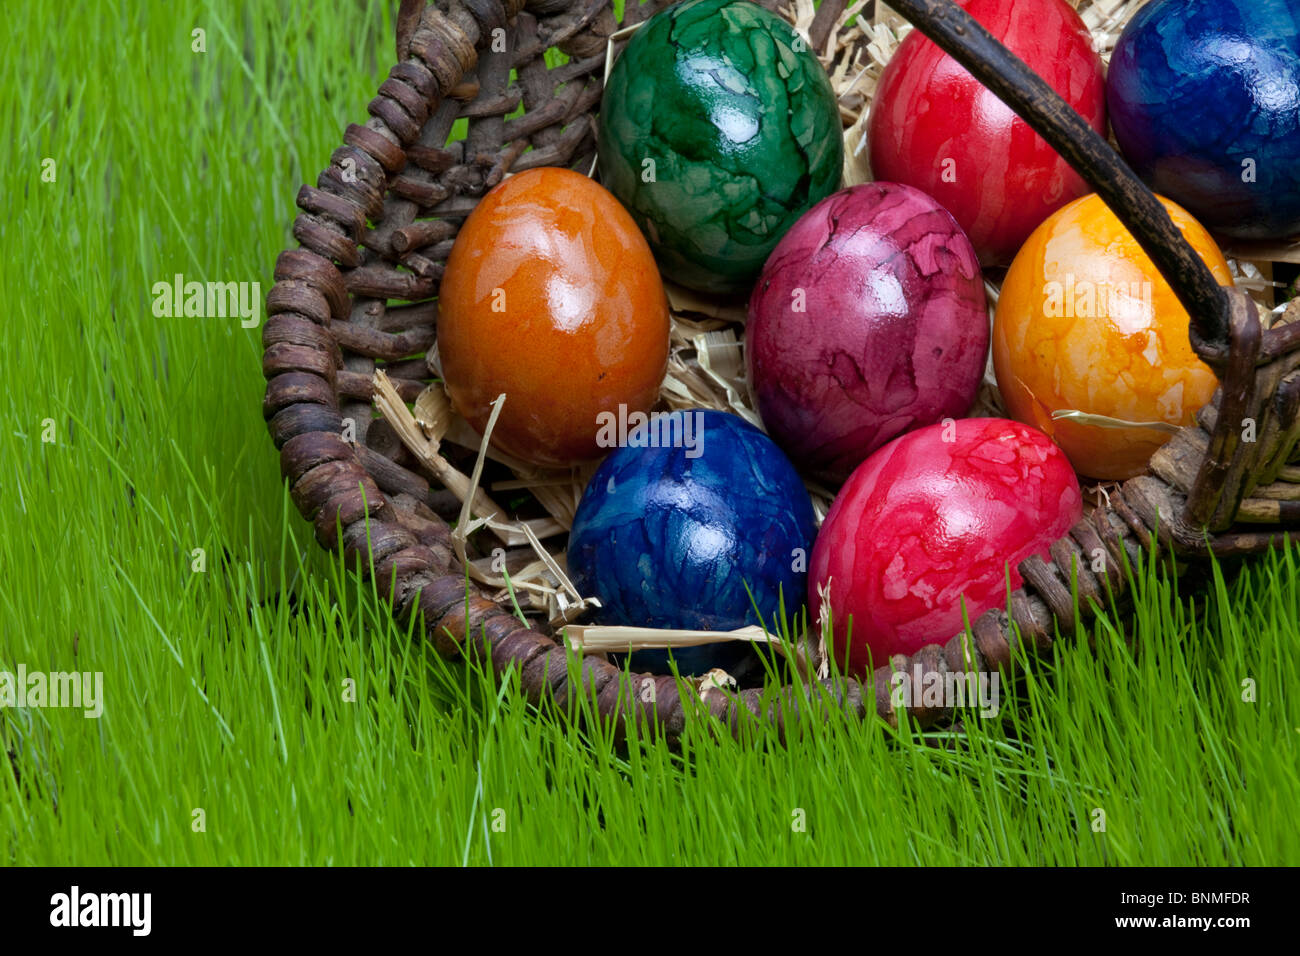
(670,536)
(1204,98)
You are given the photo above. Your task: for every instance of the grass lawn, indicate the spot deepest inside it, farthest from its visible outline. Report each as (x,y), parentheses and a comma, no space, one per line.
(227,737)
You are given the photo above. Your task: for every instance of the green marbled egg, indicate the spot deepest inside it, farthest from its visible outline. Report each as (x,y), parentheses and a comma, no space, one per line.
(718,129)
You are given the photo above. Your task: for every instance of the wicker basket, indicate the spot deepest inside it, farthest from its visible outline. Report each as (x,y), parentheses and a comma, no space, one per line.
(353,313)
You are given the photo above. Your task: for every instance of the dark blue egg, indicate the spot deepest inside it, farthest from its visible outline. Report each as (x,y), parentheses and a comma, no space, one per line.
(674,526)
(1204,98)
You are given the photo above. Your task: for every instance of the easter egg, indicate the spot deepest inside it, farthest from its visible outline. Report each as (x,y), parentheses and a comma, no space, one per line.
(677,528)
(717,130)
(933,521)
(1085,322)
(869,320)
(552,297)
(936,127)
(1205,100)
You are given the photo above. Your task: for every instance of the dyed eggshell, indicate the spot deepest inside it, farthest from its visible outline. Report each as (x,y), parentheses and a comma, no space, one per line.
(935,127)
(671,536)
(1086,322)
(717,130)
(551,296)
(869,320)
(1204,96)
(935,518)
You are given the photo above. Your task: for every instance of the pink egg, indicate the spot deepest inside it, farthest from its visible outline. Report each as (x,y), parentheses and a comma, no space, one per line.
(869,320)
(935,518)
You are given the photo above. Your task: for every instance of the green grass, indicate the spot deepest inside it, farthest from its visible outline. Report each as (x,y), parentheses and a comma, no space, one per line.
(222,697)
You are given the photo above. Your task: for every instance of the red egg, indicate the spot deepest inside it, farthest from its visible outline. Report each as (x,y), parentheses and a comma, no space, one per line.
(935,127)
(936,518)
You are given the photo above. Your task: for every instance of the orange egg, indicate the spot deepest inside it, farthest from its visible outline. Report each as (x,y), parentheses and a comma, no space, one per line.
(551,295)
(1085,322)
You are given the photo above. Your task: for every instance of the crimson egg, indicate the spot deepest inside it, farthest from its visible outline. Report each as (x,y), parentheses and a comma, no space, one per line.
(936,127)
(935,520)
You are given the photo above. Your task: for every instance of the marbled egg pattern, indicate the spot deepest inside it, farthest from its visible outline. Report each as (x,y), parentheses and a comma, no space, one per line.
(1086,322)
(934,126)
(669,540)
(1205,100)
(934,518)
(717,130)
(552,297)
(869,319)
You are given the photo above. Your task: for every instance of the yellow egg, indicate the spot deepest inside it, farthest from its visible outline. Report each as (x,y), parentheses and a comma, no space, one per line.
(1085,322)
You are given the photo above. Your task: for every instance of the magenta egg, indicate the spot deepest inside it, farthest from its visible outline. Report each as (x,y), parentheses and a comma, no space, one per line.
(936,518)
(869,320)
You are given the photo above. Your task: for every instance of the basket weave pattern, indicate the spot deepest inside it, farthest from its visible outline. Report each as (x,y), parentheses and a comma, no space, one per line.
(358,295)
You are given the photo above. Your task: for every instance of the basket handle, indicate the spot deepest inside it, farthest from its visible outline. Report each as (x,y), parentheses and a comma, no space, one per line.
(408,20)
(961,36)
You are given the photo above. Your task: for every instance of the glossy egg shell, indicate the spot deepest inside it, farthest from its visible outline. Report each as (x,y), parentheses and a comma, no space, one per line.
(671,536)
(869,320)
(718,129)
(934,518)
(551,296)
(1205,100)
(935,127)
(1086,322)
